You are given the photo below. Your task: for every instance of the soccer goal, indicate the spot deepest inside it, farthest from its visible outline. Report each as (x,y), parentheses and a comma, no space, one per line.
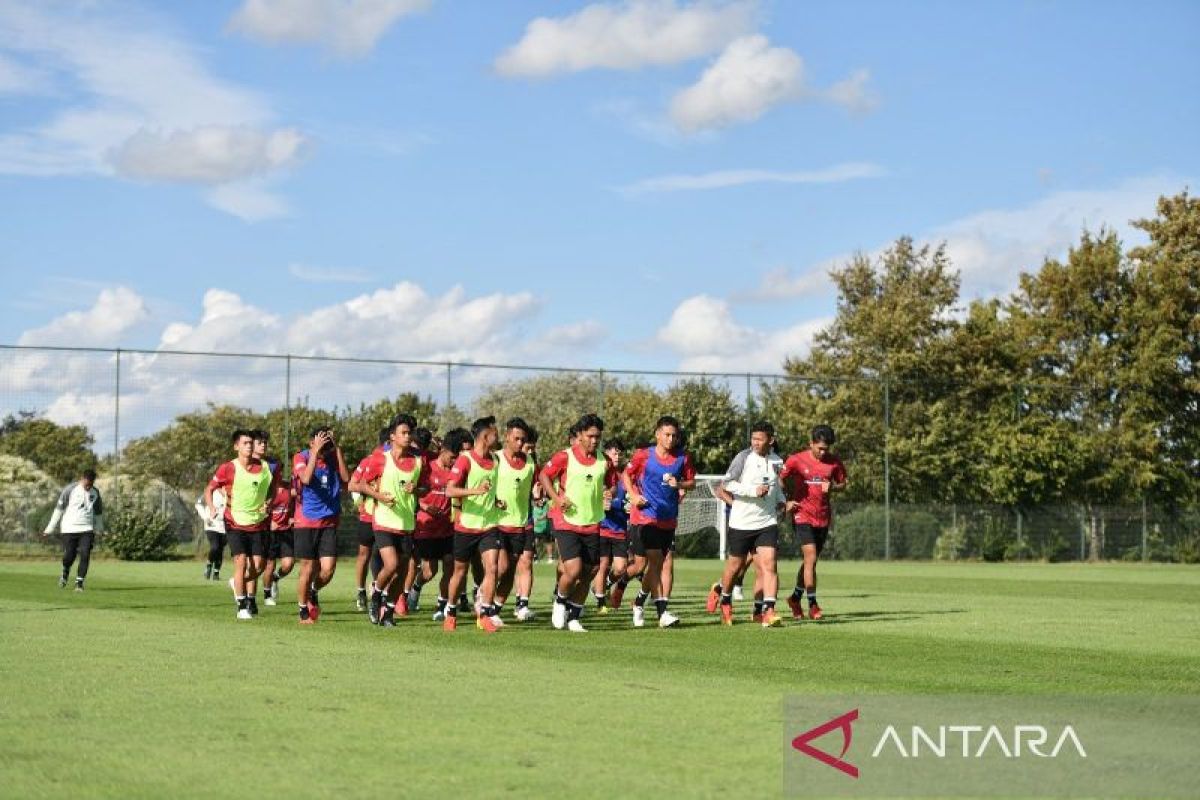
(702,510)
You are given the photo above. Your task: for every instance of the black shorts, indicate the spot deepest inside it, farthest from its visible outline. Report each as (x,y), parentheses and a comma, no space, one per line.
(584,546)
(650,537)
(434,549)
(403,542)
(283,544)
(742,543)
(314,543)
(246,543)
(468,545)
(517,543)
(614,548)
(811,534)
(366,534)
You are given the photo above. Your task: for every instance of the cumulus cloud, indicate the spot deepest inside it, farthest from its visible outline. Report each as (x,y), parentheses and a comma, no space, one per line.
(722,179)
(702,331)
(115,314)
(346,27)
(249,201)
(628,36)
(210,154)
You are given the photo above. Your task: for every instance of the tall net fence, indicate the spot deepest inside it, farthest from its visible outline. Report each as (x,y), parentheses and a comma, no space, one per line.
(155,424)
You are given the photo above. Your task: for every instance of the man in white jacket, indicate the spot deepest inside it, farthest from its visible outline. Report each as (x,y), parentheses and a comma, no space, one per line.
(80,511)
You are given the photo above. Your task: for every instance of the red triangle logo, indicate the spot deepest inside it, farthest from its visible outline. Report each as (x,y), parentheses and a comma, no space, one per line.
(802,742)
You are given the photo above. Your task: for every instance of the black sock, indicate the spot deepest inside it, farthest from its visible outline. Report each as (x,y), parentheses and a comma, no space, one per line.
(451,610)
(574,610)
(812,598)
(558,598)
(768,604)
(303,612)
(441,604)
(622,583)
(642,597)
(726,599)
(758,607)
(798,593)
(522,602)
(601,600)
(661,605)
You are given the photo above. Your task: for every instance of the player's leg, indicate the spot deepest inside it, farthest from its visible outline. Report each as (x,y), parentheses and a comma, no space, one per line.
(599,582)
(490,546)
(306,554)
(447,559)
(366,539)
(589,552)
(524,579)
(735,565)
(385,543)
(570,570)
(216,552)
(240,549)
(620,563)
(464,546)
(86,539)
(506,567)
(766,568)
(270,561)
(70,551)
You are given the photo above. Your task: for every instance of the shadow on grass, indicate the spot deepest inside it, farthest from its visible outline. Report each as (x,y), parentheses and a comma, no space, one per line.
(852,617)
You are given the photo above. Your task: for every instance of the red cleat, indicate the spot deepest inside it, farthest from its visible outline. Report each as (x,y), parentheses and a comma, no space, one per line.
(756,617)
(714,599)
(450,623)
(797,609)
(402,605)
(486,624)
(618,592)
(726,615)
(314,611)
(306,621)
(814,611)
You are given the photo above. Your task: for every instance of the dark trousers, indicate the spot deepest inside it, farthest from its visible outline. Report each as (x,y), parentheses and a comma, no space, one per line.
(216,548)
(78,544)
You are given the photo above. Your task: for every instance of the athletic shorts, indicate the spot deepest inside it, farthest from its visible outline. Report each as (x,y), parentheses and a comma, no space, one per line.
(650,537)
(468,545)
(246,543)
(403,542)
(811,534)
(584,546)
(282,544)
(517,543)
(614,548)
(742,542)
(434,549)
(316,543)
(366,534)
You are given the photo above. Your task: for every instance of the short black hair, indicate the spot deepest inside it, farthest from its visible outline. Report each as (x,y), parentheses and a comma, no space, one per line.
(260,435)
(531,437)
(762,426)
(519,424)
(403,419)
(385,433)
(322,428)
(589,421)
(824,434)
(455,439)
(88,475)
(667,419)
(422,436)
(238,433)
(480,425)
(611,443)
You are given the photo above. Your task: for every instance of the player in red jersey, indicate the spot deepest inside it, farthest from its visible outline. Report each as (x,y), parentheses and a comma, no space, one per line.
(434,537)
(808,478)
(408,601)
(614,539)
(475,532)
(319,472)
(516,473)
(365,505)
(281,556)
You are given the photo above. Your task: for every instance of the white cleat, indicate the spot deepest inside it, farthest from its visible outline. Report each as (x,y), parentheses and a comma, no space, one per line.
(668,620)
(438,616)
(575,626)
(270,599)
(639,616)
(244,613)
(558,617)
(523,614)
(414,601)
(499,623)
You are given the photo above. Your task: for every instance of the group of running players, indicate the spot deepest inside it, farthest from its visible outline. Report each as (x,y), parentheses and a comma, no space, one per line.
(469,502)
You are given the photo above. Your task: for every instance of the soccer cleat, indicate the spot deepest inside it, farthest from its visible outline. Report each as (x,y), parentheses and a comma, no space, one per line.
(814,611)
(216,574)
(603,610)
(771,619)
(314,610)
(737,593)
(639,616)
(360,600)
(714,599)
(575,626)
(413,599)
(487,624)
(618,593)
(558,617)
(402,605)
(79,587)
(439,615)
(756,617)
(306,621)
(62,582)
(208,572)
(523,614)
(726,615)
(244,613)
(450,623)
(374,606)
(387,621)
(668,620)
(270,598)
(797,609)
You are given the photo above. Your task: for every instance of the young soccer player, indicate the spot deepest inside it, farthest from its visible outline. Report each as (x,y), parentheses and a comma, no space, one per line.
(320,473)
(281,553)
(80,512)
(261,441)
(409,601)
(214,529)
(753,482)
(434,537)
(364,505)
(809,477)
(614,542)
(247,483)
(475,533)
(585,481)
(655,480)
(514,489)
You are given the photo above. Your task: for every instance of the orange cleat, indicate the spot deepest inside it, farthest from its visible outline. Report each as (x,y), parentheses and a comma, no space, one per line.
(450,623)
(486,624)
(797,609)
(402,605)
(726,615)
(814,611)
(714,599)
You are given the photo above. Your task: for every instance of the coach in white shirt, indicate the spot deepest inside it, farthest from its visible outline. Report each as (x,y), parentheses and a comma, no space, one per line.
(753,481)
(80,511)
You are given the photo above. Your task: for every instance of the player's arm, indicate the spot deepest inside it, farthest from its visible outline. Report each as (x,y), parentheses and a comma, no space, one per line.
(454,489)
(310,464)
(370,476)
(343,472)
(218,480)
(630,476)
(61,506)
(687,475)
(554,467)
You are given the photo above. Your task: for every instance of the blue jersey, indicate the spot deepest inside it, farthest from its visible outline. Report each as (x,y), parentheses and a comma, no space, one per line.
(322,497)
(650,474)
(616,518)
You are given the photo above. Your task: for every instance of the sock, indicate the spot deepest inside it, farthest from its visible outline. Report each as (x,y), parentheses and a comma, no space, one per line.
(441,603)
(660,604)
(768,604)
(497,607)
(451,610)
(623,583)
(758,608)
(362,591)
(242,603)
(726,598)
(812,598)
(522,602)
(642,597)
(798,593)
(418,584)
(66,573)
(558,598)
(462,598)
(574,610)
(601,599)
(303,612)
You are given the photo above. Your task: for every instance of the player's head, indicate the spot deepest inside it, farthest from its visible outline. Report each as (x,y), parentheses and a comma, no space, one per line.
(328,431)
(401,433)
(516,434)
(466,440)
(531,442)
(385,433)
(588,430)
(421,439)
(456,440)
(242,440)
(614,451)
(87,479)
(573,434)
(822,439)
(483,432)
(667,433)
(261,439)
(762,437)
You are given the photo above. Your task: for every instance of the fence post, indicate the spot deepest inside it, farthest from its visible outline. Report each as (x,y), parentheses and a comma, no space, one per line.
(449,391)
(749,406)
(1020,536)
(117,434)
(601,411)
(887,472)
(1145,549)
(287,408)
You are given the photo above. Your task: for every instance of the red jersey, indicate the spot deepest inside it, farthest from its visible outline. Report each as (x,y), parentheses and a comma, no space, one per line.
(663,508)
(373,470)
(433,513)
(556,469)
(363,514)
(803,473)
(458,477)
(282,509)
(223,479)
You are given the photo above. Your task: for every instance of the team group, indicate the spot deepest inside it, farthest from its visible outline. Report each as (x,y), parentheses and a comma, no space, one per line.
(470,502)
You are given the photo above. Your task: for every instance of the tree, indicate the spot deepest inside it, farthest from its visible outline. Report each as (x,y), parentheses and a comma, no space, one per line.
(62,451)
(551,403)
(185,453)
(713,425)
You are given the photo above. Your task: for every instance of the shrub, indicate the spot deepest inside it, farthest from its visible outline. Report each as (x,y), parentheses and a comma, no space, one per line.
(704,543)
(139,532)
(859,534)
(951,545)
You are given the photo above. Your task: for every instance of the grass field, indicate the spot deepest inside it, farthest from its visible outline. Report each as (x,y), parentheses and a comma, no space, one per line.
(146,686)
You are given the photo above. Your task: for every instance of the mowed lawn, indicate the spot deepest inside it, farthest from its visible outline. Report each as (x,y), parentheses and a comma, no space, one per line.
(146,686)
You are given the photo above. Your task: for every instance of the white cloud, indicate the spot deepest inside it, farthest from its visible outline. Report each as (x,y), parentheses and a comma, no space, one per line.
(249,201)
(707,338)
(853,93)
(115,314)
(347,27)
(628,36)
(210,154)
(309,274)
(142,102)
(740,177)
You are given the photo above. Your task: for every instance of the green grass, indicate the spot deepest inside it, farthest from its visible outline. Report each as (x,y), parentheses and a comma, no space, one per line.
(146,686)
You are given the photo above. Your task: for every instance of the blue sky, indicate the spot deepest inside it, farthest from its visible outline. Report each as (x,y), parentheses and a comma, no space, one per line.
(632,184)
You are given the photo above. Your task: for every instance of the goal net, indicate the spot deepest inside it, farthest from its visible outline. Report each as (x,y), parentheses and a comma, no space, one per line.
(703,514)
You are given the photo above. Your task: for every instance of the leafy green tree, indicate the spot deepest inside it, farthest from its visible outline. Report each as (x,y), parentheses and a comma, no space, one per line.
(550,402)
(185,453)
(713,424)
(62,451)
